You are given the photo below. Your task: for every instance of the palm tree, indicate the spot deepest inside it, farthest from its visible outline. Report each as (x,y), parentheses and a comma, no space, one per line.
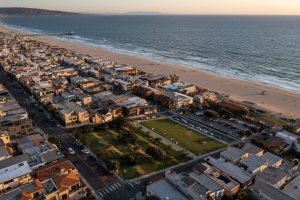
(174,77)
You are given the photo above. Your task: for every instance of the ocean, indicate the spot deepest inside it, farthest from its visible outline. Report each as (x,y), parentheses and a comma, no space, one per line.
(264,49)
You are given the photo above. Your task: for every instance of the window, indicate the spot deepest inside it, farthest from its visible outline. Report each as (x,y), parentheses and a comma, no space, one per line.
(9,181)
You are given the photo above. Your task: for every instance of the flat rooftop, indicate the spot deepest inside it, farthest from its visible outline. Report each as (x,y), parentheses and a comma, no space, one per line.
(293,188)
(273,193)
(228,168)
(165,191)
(14,171)
(233,153)
(272,175)
(253,162)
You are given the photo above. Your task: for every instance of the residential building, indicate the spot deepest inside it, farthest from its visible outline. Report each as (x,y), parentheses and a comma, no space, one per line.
(252,149)
(14,175)
(206,96)
(173,100)
(164,190)
(157,80)
(71,113)
(65,177)
(100,115)
(14,119)
(129,70)
(265,191)
(4,137)
(146,92)
(272,159)
(230,186)
(236,173)
(191,188)
(274,176)
(293,188)
(254,164)
(234,154)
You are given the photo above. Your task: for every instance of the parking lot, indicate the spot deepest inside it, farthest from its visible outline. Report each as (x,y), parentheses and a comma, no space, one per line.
(204,129)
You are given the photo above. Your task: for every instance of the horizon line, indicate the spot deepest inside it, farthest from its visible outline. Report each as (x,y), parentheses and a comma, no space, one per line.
(156,13)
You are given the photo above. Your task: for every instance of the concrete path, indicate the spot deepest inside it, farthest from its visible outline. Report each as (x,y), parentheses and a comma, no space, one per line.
(165,140)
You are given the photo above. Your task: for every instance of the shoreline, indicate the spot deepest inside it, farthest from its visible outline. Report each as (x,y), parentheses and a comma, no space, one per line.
(278,100)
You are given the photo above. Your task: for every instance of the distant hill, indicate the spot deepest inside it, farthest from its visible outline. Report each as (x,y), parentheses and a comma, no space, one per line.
(143,13)
(19,11)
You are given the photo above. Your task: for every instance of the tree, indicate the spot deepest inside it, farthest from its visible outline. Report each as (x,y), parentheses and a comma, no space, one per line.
(174,77)
(113,165)
(244,194)
(103,154)
(155,153)
(80,136)
(211,114)
(241,112)
(129,137)
(157,140)
(53,140)
(120,122)
(289,127)
(225,112)
(128,160)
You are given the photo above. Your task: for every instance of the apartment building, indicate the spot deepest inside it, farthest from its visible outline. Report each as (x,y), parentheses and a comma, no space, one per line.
(14,175)
(71,113)
(173,100)
(14,119)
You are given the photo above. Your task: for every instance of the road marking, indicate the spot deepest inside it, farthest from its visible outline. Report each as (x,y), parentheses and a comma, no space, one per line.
(131,185)
(113,187)
(101,194)
(110,189)
(118,184)
(107,191)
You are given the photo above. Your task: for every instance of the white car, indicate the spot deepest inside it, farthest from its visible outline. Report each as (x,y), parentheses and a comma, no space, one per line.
(85,151)
(71,151)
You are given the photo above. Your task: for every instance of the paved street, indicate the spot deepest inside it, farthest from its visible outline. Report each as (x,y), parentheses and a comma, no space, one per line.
(105,186)
(204,129)
(91,172)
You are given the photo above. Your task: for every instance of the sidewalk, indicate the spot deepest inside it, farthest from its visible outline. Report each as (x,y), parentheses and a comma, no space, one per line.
(196,159)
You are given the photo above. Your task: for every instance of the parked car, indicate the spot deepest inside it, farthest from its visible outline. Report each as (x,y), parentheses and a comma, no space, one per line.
(71,151)
(85,151)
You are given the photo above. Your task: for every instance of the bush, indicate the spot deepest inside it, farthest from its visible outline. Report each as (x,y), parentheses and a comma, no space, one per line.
(128,160)
(113,165)
(103,154)
(128,137)
(155,153)
(211,114)
(119,122)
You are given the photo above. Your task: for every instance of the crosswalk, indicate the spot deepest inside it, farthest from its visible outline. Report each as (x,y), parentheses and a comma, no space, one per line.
(111,188)
(61,135)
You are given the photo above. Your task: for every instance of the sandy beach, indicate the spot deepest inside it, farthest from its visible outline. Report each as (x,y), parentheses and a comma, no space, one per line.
(277,100)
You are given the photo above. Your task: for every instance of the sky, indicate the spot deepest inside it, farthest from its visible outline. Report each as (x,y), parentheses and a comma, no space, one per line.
(246,7)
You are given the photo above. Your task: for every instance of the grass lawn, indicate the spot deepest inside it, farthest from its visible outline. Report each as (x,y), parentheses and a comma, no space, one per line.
(108,139)
(270,119)
(192,141)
